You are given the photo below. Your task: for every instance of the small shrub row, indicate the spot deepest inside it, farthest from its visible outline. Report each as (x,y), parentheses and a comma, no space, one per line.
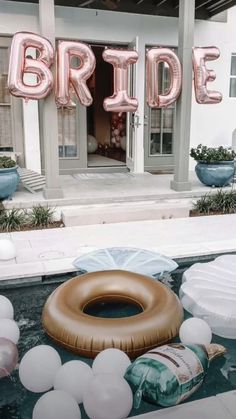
(223,202)
(17,219)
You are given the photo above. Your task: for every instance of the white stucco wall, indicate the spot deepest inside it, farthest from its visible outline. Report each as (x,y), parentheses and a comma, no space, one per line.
(210,124)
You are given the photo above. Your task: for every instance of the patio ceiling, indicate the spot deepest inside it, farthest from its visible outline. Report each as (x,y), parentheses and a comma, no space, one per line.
(204,9)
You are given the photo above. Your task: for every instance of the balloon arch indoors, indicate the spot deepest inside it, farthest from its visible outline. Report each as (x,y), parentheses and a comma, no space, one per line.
(74,79)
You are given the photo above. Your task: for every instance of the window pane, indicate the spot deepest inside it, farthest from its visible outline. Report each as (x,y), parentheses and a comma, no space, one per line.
(155,118)
(167,143)
(5,126)
(155,143)
(4,92)
(233,65)
(67,132)
(168,118)
(70,151)
(232,92)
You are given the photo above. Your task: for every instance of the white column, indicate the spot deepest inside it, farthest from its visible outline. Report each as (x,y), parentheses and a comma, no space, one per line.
(49,111)
(31,127)
(183,109)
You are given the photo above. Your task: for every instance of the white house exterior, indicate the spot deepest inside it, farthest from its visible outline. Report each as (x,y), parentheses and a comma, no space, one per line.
(150,137)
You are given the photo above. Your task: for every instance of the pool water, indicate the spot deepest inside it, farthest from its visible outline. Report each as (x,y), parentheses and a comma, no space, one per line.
(28,300)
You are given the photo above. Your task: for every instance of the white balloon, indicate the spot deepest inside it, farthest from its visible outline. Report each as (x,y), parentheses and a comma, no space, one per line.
(123,143)
(195,330)
(6,308)
(92,144)
(39,367)
(7,250)
(111,361)
(9,330)
(56,405)
(73,377)
(108,397)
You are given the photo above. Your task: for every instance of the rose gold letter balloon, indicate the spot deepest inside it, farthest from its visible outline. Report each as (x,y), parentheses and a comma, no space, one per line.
(75,76)
(154,57)
(19,65)
(120,101)
(202,75)
(8,357)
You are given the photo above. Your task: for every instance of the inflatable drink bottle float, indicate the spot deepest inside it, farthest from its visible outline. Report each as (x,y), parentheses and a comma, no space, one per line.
(169,374)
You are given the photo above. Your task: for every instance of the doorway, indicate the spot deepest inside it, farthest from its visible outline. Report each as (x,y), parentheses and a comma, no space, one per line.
(106,131)
(91,139)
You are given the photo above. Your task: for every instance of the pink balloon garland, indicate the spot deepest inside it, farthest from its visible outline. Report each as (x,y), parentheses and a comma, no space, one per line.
(74,78)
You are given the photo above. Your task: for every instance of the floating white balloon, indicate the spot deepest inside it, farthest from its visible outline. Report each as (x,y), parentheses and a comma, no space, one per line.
(73,377)
(108,396)
(111,361)
(7,250)
(39,367)
(92,144)
(9,330)
(56,405)
(6,308)
(195,331)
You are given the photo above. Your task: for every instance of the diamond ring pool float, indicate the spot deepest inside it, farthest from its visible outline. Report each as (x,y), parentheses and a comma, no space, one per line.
(65,320)
(208,291)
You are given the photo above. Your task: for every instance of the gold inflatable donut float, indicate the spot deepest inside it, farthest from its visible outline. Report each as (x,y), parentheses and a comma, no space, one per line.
(65,322)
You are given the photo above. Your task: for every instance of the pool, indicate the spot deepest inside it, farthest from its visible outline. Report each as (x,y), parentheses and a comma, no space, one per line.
(28,300)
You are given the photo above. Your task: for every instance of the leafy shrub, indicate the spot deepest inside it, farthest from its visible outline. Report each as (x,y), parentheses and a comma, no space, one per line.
(41,216)
(211,154)
(6,162)
(223,202)
(13,219)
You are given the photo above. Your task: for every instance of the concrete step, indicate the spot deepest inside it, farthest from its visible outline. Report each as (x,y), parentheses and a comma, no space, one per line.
(123,212)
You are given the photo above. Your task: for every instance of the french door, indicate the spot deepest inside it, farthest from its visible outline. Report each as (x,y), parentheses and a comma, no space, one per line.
(159,130)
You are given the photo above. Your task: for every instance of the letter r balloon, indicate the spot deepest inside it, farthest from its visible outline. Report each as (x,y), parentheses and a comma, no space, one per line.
(20,64)
(76,77)
(120,101)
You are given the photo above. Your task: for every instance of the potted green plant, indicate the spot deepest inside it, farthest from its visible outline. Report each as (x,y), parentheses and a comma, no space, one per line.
(9,177)
(215,166)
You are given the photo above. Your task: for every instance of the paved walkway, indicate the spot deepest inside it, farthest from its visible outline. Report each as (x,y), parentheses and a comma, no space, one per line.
(52,251)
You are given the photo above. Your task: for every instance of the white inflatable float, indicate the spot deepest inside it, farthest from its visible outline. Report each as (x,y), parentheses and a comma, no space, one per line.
(208,291)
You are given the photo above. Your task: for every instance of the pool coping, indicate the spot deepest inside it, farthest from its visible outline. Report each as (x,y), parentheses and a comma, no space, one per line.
(52,252)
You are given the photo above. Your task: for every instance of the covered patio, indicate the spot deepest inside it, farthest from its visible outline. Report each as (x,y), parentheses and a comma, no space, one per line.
(92,190)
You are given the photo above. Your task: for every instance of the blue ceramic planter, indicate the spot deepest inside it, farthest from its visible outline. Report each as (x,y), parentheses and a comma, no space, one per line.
(215,174)
(9,180)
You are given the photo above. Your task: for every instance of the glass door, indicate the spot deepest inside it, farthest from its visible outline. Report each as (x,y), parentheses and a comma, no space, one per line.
(159,130)
(132,117)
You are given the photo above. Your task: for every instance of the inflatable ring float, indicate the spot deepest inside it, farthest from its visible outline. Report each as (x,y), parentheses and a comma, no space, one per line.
(65,321)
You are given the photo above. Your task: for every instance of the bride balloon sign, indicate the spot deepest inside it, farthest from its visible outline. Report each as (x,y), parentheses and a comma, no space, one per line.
(74,79)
